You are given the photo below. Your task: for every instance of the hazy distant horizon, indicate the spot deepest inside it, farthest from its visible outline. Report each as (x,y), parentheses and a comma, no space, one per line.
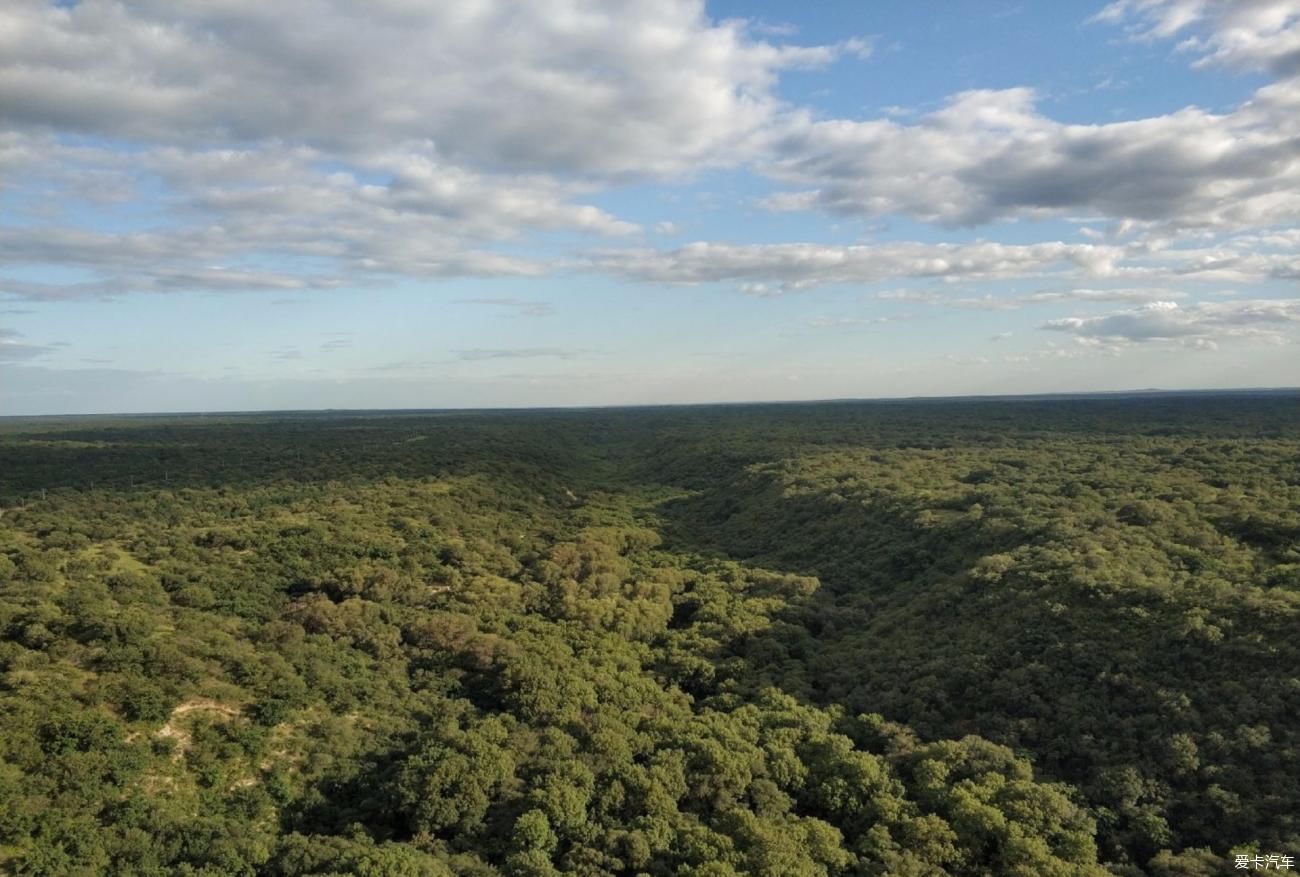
(721,403)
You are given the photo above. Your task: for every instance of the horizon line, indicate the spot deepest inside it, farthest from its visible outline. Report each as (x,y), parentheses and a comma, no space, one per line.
(973,397)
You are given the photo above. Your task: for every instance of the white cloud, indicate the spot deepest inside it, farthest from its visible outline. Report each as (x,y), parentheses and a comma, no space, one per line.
(1242,34)
(358,139)
(1234,260)
(501,205)
(229,208)
(991,302)
(1084,294)
(632,87)
(989,155)
(290,146)
(1201,326)
(206,258)
(764,269)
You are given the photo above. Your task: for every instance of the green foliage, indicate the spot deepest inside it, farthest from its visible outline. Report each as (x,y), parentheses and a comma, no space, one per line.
(999,638)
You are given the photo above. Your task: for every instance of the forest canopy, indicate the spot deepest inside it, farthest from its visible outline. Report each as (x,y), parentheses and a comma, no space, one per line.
(998,637)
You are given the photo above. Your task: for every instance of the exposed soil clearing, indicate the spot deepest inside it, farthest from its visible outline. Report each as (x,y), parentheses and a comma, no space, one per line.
(172,730)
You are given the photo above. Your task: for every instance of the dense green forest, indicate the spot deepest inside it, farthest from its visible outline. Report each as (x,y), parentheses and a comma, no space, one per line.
(1016,637)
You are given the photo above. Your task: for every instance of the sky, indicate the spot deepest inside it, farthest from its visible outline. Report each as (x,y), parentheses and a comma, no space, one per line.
(241,205)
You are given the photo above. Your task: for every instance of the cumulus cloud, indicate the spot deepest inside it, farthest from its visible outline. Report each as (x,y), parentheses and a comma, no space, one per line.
(764,269)
(989,155)
(396,214)
(359,140)
(1238,259)
(1201,326)
(1242,34)
(288,147)
(631,87)
(333,243)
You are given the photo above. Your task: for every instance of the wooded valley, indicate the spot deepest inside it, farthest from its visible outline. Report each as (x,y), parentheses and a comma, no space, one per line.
(986,637)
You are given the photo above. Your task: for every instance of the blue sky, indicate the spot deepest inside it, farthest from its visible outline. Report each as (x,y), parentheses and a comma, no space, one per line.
(242,205)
